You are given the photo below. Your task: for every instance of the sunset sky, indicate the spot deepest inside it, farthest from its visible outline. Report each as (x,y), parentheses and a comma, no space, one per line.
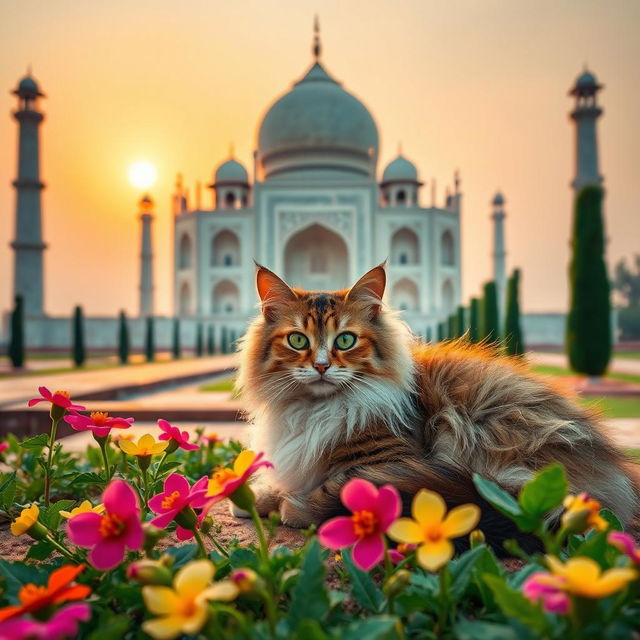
(479,85)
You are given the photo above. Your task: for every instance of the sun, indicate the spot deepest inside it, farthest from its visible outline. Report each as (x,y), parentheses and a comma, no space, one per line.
(142,174)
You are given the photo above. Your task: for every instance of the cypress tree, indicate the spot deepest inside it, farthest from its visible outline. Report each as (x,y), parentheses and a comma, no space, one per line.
(451,326)
(176,348)
(490,323)
(199,341)
(427,335)
(442,333)
(123,339)
(79,354)
(512,330)
(589,320)
(149,340)
(224,340)
(474,320)
(16,341)
(233,339)
(210,341)
(461,323)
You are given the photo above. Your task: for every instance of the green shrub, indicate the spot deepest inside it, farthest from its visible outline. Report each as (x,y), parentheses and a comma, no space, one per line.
(176,348)
(513,332)
(124,346)
(16,339)
(78,354)
(150,340)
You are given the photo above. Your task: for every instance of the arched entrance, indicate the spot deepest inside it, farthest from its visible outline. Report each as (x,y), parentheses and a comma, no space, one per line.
(316,258)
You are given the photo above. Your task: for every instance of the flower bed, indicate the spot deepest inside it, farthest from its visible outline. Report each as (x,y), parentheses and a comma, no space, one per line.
(104,562)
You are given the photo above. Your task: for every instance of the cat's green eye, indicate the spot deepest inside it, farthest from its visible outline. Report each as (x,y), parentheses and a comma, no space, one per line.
(298,340)
(345,341)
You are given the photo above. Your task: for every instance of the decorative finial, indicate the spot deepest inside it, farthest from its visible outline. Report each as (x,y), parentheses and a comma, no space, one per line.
(456,180)
(29,71)
(399,148)
(317,47)
(231,150)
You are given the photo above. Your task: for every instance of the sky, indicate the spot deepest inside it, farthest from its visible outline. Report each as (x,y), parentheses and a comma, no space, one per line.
(475,85)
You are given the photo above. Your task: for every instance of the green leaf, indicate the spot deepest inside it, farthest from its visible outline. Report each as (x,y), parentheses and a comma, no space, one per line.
(36,442)
(487,563)
(503,502)
(462,569)
(373,628)
(8,489)
(363,589)
(182,555)
(612,519)
(114,627)
(514,604)
(477,630)
(40,550)
(310,630)
(85,477)
(545,491)
(16,574)
(310,599)
(51,516)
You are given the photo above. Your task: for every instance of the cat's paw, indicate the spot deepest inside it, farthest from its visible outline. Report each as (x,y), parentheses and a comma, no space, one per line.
(238,512)
(267,501)
(294,516)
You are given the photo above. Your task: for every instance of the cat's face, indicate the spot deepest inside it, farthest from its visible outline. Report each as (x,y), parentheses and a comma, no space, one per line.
(320,343)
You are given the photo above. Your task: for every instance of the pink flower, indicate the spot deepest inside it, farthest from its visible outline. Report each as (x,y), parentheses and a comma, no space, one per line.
(63,624)
(59,398)
(374,510)
(395,556)
(625,543)
(548,589)
(3,446)
(111,533)
(98,422)
(181,438)
(177,495)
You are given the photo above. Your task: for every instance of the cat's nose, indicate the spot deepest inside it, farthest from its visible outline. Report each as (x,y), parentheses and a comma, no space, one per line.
(321,367)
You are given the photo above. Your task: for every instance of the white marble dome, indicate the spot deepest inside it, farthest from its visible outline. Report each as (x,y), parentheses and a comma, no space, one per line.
(318,124)
(400,170)
(231,172)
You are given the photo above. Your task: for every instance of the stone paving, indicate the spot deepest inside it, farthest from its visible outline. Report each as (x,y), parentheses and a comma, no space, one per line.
(617,365)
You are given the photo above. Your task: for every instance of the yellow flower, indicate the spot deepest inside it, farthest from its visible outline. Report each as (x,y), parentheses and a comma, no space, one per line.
(84,507)
(582,513)
(146,446)
(584,577)
(432,528)
(27,518)
(183,607)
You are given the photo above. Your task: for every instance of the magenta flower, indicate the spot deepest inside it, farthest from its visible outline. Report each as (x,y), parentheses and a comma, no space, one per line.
(108,535)
(548,589)
(59,398)
(181,438)
(176,497)
(98,422)
(3,446)
(625,543)
(373,512)
(63,624)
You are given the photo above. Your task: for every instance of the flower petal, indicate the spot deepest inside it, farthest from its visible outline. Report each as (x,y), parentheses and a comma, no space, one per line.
(160,600)
(337,533)
(176,482)
(133,537)
(182,533)
(165,628)
(120,498)
(84,529)
(64,576)
(460,520)
(224,591)
(406,530)
(389,506)
(194,578)
(128,447)
(428,508)
(433,555)
(368,552)
(359,495)
(244,460)
(107,554)
(164,518)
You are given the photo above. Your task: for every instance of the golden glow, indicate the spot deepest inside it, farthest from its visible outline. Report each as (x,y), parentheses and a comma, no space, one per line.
(142,174)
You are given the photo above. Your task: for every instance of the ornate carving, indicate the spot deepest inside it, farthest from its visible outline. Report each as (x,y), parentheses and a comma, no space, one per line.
(340,220)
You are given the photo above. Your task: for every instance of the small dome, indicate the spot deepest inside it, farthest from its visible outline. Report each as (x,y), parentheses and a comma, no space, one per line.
(586,79)
(231,171)
(317,124)
(400,170)
(28,88)
(498,199)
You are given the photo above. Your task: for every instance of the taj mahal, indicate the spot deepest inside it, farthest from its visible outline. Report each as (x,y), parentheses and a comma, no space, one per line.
(317,213)
(316,209)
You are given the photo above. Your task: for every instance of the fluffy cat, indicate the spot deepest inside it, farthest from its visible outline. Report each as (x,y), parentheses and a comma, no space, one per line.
(337,387)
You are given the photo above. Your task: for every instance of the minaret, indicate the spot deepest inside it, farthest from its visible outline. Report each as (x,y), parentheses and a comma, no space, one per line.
(146,257)
(585,114)
(499,251)
(28,276)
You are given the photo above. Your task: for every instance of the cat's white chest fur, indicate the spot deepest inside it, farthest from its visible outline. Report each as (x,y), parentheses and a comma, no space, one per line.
(294,436)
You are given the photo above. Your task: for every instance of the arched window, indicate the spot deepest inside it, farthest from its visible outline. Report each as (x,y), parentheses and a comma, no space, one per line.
(230,200)
(225,249)
(225,298)
(404,247)
(447,250)
(447,297)
(185,252)
(404,295)
(401,196)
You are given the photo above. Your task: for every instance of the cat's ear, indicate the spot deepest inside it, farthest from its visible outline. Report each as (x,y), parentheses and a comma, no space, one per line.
(370,288)
(272,291)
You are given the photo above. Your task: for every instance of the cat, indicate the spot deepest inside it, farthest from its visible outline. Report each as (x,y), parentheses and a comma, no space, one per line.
(336,386)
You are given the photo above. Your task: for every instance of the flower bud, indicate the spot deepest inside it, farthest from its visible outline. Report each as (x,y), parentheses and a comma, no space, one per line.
(476,538)
(396,582)
(243,497)
(27,522)
(576,521)
(143,462)
(150,572)
(206,525)
(172,446)
(152,535)
(247,581)
(187,518)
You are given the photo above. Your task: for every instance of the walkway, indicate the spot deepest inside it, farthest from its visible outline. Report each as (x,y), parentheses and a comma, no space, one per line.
(618,365)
